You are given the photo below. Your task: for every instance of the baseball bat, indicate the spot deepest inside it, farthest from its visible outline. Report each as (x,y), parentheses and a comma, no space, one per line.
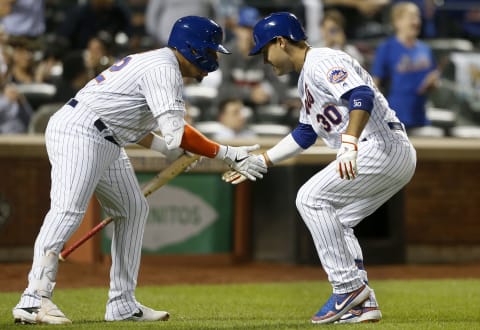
(174,169)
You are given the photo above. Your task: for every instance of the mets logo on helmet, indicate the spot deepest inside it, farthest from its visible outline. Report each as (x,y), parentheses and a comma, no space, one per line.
(336,75)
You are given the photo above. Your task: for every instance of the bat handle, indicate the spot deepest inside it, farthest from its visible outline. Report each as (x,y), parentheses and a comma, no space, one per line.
(65,253)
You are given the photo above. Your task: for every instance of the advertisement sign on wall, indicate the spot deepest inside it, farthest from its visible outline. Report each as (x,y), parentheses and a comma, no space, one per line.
(191,215)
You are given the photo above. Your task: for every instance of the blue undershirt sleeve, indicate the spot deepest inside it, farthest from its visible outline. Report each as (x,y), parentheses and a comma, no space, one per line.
(360,98)
(304,135)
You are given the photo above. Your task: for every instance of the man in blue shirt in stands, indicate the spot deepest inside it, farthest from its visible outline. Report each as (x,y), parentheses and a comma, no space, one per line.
(408,65)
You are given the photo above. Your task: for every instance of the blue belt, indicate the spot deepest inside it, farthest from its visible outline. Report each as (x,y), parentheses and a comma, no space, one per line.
(99,124)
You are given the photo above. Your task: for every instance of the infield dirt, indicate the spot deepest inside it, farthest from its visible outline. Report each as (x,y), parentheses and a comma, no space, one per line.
(13,276)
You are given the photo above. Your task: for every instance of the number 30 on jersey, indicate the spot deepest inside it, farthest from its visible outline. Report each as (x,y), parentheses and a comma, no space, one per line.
(330,116)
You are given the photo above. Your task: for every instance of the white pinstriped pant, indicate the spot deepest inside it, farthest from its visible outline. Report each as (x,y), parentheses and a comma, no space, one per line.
(83,162)
(331,207)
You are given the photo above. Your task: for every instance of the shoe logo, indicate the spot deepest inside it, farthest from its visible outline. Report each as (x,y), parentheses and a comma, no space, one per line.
(339,307)
(138,314)
(240,159)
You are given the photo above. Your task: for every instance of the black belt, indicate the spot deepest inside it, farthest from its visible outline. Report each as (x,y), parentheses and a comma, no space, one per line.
(396,126)
(99,124)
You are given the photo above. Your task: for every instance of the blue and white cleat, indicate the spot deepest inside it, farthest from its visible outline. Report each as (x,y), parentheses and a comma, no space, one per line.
(339,304)
(361,314)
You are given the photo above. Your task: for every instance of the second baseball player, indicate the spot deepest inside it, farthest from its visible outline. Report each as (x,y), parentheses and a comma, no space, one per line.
(85,139)
(375,158)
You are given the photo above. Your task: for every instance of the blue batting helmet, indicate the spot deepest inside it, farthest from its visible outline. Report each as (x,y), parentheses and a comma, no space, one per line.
(193,37)
(281,24)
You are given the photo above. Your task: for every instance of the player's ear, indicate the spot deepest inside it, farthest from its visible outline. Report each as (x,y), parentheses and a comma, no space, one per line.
(282,42)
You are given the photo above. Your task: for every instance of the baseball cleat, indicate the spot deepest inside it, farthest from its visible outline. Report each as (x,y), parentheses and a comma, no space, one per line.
(361,314)
(339,304)
(146,314)
(47,313)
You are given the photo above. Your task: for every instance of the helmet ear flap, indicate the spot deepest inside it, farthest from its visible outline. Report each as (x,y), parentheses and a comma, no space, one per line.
(192,50)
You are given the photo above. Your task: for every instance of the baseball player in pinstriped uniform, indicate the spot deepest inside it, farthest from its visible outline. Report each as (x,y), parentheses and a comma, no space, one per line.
(342,106)
(85,139)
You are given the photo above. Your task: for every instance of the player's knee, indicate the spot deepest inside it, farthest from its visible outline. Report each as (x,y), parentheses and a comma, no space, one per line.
(138,210)
(302,199)
(306,199)
(143,208)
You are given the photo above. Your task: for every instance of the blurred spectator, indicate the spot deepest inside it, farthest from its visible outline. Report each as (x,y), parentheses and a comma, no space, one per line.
(313,12)
(98,55)
(245,76)
(22,65)
(226,13)
(74,76)
(466,17)
(5,7)
(428,11)
(23,17)
(3,47)
(85,21)
(233,114)
(363,16)
(192,113)
(15,112)
(408,65)
(333,32)
(49,69)
(162,14)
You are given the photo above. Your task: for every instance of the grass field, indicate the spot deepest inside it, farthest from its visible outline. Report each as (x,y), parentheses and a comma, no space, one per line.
(412,304)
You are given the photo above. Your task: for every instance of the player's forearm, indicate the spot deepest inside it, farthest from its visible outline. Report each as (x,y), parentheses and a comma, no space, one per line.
(357,122)
(192,141)
(286,148)
(146,142)
(197,143)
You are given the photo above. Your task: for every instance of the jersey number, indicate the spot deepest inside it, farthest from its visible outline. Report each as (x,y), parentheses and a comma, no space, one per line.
(330,115)
(117,66)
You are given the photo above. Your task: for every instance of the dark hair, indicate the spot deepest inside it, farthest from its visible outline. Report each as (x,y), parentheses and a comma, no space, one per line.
(24,42)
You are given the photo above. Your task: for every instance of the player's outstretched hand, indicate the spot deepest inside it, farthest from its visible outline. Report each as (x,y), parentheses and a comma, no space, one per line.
(249,165)
(347,157)
(234,177)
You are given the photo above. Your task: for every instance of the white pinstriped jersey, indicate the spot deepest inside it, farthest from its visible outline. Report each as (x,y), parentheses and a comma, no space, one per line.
(332,207)
(131,94)
(326,75)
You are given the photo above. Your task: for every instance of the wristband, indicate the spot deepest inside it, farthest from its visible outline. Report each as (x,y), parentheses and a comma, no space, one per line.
(286,148)
(222,152)
(267,160)
(347,138)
